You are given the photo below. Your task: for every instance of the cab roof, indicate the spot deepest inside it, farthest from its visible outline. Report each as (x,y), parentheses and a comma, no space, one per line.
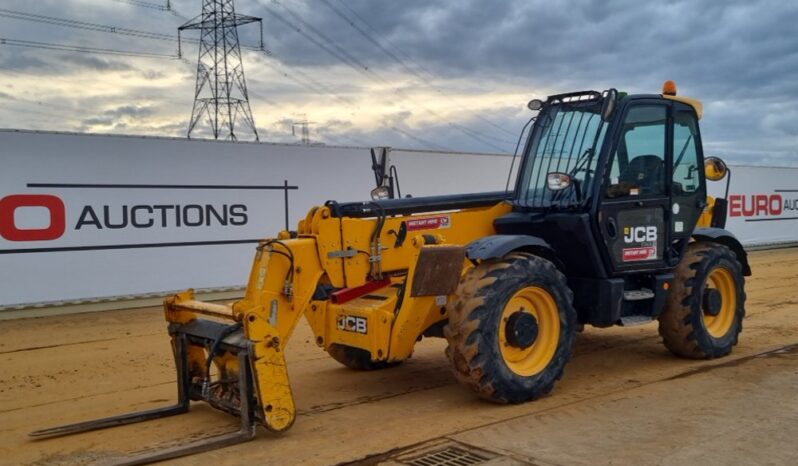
(588,96)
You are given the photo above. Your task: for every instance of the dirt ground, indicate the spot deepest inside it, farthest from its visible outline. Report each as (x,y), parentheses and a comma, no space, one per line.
(624,398)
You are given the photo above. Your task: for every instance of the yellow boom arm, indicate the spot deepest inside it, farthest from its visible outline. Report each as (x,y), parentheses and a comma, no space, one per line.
(292,277)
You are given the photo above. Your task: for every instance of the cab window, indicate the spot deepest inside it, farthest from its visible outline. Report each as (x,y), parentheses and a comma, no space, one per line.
(685,156)
(637,167)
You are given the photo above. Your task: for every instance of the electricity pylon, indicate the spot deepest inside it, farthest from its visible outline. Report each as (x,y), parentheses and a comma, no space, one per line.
(221,91)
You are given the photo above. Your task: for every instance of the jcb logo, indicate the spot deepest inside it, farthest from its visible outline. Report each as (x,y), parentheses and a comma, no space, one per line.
(639,234)
(8,225)
(353,324)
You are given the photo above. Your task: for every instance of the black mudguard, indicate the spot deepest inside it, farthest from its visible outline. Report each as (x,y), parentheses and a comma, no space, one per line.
(726,238)
(497,246)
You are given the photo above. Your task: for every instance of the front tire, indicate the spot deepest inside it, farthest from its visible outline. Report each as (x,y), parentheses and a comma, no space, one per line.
(511,328)
(706,306)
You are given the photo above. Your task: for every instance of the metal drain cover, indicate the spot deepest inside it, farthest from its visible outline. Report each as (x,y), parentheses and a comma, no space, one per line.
(449,456)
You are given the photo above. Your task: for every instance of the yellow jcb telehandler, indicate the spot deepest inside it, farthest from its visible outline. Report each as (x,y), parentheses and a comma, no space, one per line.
(609,223)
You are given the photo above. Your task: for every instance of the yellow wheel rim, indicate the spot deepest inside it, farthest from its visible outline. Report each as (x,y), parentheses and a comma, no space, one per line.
(534,358)
(722,280)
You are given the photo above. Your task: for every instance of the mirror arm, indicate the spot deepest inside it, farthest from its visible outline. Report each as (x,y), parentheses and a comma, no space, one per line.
(728,182)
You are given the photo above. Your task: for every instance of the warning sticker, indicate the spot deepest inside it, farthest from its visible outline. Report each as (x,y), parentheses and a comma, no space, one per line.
(429,223)
(639,254)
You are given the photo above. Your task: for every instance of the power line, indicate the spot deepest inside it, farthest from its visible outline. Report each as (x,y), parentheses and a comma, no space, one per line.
(352,59)
(23,100)
(62,47)
(82,49)
(167,8)
(179,15)
(33,102)
(423,141)
(343,137)
(10,70)
(71,23)
(306,81)
(377,42)
(150,5)
(84,25)
(376,31)
(371,39)
(346,102)
(399,51)
(467,131)
(331,48)
(29,108)
(363,69)
(401,62)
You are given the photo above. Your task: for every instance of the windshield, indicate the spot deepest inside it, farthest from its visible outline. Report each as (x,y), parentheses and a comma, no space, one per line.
(567,138)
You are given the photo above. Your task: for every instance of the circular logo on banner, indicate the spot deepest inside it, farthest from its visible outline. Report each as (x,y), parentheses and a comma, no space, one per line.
(8,226)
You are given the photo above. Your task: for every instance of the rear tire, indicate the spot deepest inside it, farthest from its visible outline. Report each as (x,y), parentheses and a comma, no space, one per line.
(687,326)
(498,366)
(357,359)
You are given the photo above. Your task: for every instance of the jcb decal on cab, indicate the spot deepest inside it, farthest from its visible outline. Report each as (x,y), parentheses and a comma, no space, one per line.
(639,234)
(353,324)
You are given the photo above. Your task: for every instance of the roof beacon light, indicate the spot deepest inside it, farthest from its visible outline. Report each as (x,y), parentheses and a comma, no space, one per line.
(669,88)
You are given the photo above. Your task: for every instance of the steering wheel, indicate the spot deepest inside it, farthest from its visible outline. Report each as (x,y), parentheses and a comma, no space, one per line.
(622,188)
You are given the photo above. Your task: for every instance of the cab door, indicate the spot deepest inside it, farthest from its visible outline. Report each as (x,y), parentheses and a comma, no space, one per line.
(634,216)
(688,186)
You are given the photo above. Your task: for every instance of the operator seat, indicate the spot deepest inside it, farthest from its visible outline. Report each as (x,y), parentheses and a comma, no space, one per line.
(646,172)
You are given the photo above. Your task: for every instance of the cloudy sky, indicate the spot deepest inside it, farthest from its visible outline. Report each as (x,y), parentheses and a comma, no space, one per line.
(442,74)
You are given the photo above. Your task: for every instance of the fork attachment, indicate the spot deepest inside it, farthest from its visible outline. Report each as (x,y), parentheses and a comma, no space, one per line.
(234,395)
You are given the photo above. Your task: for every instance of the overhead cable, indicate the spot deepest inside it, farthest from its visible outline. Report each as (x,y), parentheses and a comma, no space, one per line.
(378,43)
(82,49)
(333,49)
(65,22)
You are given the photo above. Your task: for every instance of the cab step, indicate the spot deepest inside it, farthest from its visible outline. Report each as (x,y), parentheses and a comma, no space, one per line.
(638,295)
(629,321)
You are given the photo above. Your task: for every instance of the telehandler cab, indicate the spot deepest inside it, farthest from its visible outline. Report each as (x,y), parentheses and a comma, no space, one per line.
(609,224)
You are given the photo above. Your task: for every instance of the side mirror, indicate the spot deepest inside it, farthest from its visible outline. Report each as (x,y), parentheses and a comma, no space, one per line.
(557,181)
(715,169)
(380,193)
(535,105)
(610,103)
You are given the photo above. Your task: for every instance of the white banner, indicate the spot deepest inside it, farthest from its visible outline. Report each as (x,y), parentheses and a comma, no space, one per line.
(88,216)
(763,204)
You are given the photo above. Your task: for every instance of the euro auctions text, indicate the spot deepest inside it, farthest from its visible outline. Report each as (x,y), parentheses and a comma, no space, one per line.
(106,216)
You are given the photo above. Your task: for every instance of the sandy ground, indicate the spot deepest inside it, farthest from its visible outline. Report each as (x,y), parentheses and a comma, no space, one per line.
(624,398)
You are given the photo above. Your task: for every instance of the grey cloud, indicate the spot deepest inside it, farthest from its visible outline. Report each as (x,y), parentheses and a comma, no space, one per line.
(740,51)
(337,124)
(96,63)
(115,119)
(130,111)
(98,121)
(738,56)
(153,74)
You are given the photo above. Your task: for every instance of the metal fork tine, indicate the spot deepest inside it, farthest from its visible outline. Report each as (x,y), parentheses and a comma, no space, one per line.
(245,433)
(112,421)
(185,450)
(180,407)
